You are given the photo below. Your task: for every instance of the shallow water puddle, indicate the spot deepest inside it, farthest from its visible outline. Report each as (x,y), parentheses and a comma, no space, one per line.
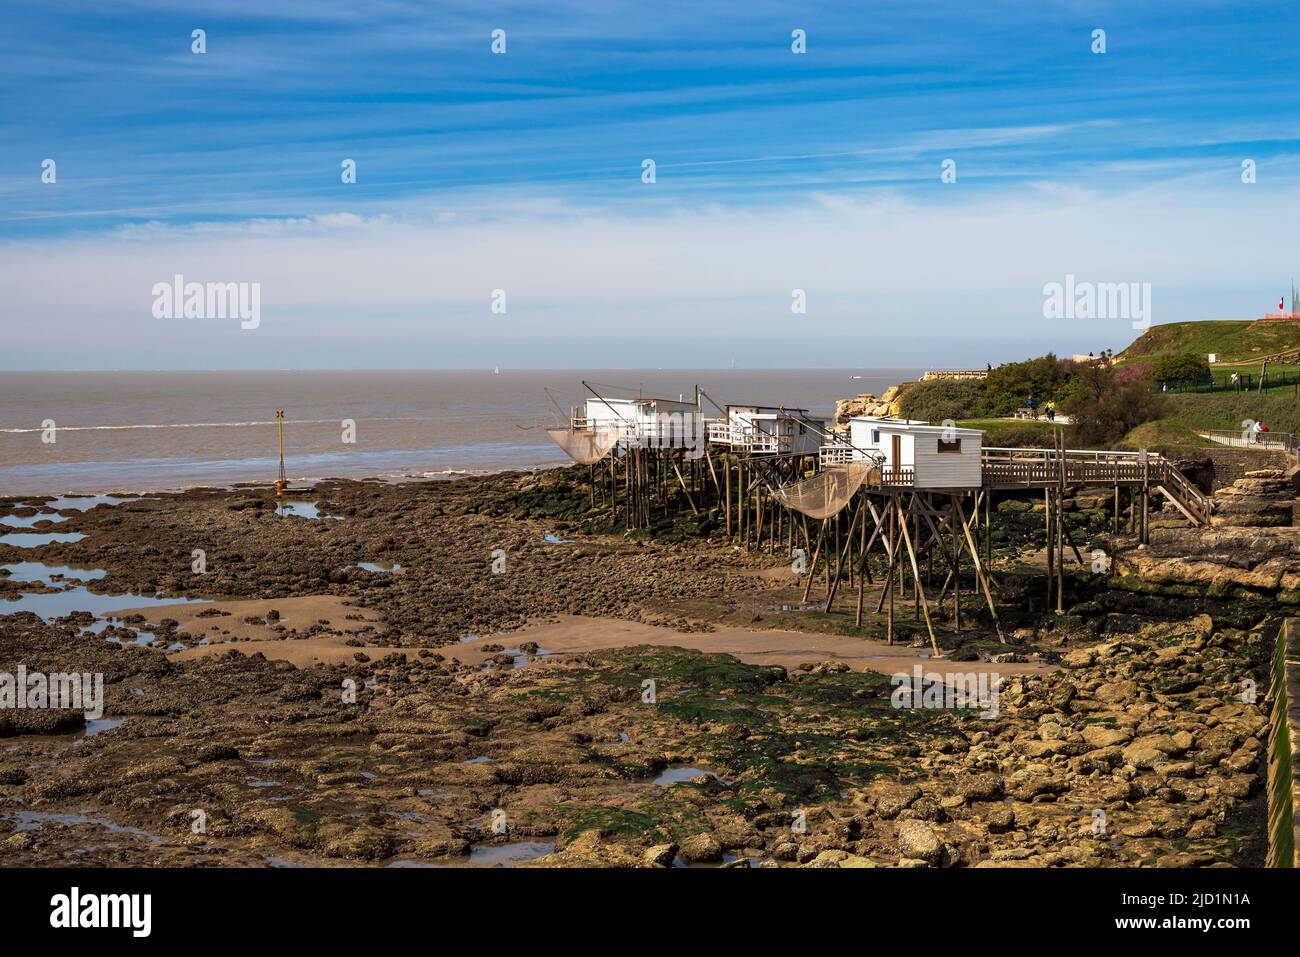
(32,821)
(15,521)
(102,625)
(47,574)
(37,539)
(680,775)
(97,726)
(521,658)
(726,859)
(378,567)
(72,598)
(82,503)
(508,855)
(550,539)
(308,510)
(481,759)
(56,604)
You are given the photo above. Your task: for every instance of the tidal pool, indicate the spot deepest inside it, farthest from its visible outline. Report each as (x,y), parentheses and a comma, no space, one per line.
(81,503)
(308,510)
(37,539)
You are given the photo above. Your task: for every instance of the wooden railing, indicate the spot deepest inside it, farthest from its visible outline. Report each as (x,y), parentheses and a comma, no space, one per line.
(746,437)
(897,478)
(1040,468)
(834,454)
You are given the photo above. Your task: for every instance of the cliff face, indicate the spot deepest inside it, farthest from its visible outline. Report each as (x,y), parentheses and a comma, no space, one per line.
(868,404)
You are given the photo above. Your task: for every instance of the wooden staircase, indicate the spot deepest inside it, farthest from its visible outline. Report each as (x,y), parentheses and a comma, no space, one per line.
(1195,505)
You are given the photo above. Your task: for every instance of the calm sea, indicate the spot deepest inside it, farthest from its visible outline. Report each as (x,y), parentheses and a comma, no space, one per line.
(142,431)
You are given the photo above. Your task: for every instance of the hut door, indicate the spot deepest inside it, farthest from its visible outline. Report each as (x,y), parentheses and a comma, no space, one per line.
(897,460)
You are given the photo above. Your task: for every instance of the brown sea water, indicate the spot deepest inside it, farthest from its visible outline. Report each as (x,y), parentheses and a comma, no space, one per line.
(142,431)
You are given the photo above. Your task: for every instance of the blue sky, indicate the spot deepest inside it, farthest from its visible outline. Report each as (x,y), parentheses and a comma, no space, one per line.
(522,171)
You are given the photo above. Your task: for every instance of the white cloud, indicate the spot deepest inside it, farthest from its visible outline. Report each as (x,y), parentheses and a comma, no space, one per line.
(939,273)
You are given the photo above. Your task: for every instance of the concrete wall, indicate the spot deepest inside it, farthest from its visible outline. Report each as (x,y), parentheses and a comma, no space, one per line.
(1212,469)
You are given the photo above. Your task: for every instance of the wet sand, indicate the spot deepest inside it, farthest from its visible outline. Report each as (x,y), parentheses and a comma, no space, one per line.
(558,636)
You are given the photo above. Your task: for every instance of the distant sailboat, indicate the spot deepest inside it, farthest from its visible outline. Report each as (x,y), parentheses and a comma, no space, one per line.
(496,370)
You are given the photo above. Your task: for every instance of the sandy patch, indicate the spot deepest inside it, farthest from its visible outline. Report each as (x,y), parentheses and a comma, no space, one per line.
(574,634)
(336,614)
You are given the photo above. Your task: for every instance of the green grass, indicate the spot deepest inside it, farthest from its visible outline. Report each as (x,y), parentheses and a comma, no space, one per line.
(1163,434)
(1228,410)
(1014,433)
(1228,339)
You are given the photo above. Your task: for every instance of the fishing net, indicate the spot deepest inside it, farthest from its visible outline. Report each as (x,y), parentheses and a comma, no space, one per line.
(824,494)
(585,446)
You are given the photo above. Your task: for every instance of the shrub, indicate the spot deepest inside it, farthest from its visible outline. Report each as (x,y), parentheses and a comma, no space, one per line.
(1181,367)
(940,399)
(1009,386)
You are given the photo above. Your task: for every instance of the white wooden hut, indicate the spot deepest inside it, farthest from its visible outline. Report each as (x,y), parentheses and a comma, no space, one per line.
(918,454)
(764,429)
(642,421)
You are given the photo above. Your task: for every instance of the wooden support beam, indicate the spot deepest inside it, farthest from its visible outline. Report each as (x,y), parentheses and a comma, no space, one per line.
(981,575)
(916,577)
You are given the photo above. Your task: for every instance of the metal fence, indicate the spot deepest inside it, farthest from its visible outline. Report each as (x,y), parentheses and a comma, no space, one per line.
(1231,382)
(1250,439)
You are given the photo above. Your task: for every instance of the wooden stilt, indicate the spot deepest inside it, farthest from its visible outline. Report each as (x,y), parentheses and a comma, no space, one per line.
(812,567)
(916,577)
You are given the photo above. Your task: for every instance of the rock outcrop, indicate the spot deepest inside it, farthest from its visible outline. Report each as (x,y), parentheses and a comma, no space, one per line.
(868,404)
(1253,544)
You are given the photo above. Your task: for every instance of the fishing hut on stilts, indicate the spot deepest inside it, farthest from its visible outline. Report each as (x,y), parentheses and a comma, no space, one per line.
(899,504)
(645,455)
(892,494)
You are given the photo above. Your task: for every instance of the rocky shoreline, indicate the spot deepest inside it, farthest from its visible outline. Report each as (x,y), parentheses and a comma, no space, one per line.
(1137,745)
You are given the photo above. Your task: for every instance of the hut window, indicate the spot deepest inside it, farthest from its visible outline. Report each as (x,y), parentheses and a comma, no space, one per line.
(953,446)
(875,436)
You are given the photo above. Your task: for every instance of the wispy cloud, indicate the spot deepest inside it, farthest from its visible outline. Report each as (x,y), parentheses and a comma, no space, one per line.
(774,170)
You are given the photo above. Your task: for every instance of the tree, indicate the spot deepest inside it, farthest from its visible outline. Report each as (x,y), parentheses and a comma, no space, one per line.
(1106,405)
(1009,386)
(1181,367)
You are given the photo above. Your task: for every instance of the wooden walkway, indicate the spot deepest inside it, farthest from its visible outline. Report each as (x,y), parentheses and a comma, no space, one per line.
(1005,469)
(1008,469)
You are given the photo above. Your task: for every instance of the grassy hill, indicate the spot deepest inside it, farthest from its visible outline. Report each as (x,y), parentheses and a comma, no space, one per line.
(1163,434)
(1227,410)
(1232,340)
